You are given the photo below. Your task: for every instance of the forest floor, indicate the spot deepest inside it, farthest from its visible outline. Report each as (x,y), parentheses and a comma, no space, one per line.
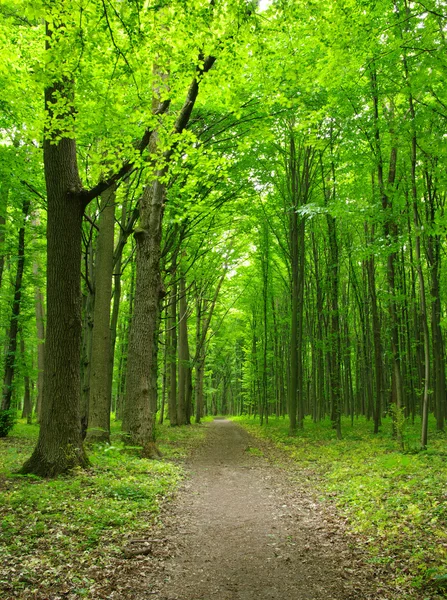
(242,529)
(232,512)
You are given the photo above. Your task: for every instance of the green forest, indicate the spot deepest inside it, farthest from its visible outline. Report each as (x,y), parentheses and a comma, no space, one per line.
(223,229)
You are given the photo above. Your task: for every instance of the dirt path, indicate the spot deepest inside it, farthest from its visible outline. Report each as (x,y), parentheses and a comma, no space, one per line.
(246,533)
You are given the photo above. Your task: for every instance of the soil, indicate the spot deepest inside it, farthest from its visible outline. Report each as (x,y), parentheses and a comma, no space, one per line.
(243,528)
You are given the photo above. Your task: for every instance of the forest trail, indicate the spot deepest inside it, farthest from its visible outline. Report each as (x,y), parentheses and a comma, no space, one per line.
(247,533)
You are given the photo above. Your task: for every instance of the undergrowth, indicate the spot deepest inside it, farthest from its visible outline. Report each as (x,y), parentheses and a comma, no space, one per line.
(395,501)
(60,534)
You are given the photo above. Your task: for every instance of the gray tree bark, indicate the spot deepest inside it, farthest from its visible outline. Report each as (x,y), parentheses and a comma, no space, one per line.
(100,400)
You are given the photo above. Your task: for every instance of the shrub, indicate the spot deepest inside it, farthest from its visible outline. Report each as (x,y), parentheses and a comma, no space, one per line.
(7,421)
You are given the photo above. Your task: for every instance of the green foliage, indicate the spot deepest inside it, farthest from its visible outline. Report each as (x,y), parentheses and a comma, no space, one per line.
(395,502)
(56,533)
(7,421)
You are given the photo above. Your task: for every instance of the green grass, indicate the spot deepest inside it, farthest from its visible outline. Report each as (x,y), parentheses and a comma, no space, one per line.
(395,502)
(56,534)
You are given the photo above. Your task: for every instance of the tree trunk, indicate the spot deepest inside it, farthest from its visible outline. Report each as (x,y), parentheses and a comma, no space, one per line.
(172,354)
(141,388)
(59,447)
(434,246)
(2,241)
(294,259)
(88,307)
(183,354)
(199,361)
(124,350)
(390,234)
(116,307)
(27,412)
(14,324)
(334,352)
(376,339)
(40,326)
(100,398)
(165,372)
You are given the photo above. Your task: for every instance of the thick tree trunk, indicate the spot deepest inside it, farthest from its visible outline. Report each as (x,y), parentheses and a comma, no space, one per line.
(59,447)
(141,388)
(141,393)
(100,400)
(14,324)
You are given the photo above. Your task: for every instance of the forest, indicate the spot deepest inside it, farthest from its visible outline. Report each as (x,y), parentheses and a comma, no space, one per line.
(231,209)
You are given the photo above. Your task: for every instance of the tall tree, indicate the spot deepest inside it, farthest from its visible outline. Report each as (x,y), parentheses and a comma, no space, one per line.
(10,362)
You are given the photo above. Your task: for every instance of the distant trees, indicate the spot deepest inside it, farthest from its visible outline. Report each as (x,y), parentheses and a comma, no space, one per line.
(112,155)
(262,199)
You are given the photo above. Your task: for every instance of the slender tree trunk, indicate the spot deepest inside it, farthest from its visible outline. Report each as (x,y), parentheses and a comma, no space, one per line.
(2,241)
(172,321)
(265,258)
(165,373)
(335,355)
(124,350)
(14,323)
(117,258)
(199,357)
(423,304)
(183,354)
(434,259)
(377,341)
(27,412)
(417,225)
(294,259)
(40,326)
(100,399)
(199,360)
(390,233)
(87,336)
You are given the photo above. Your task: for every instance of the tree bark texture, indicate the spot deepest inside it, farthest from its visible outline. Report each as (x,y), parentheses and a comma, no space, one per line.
(172,353)
(14,323)
(40,327)
(59,447)
(100,399)
(27,411)
(183,355)
(141,391)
